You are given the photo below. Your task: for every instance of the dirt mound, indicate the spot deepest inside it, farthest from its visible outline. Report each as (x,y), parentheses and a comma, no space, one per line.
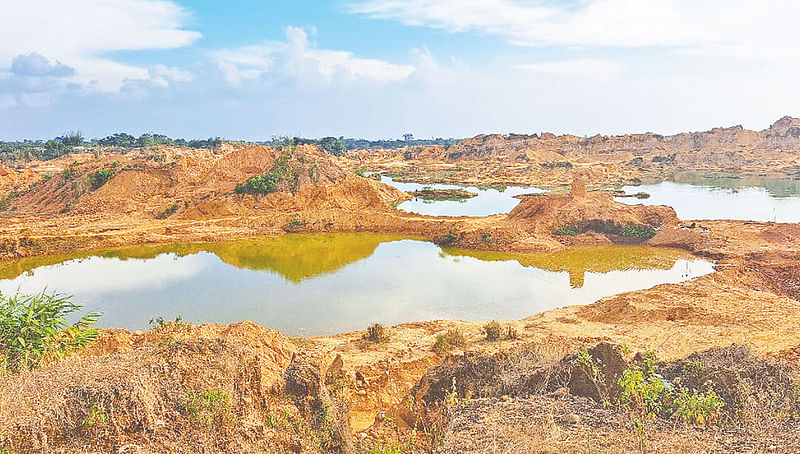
(180,388)
(11,179)
(199,184)
(529,411)
(581,212)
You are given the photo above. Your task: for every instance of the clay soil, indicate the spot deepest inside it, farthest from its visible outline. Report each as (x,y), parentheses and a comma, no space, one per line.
(169,195)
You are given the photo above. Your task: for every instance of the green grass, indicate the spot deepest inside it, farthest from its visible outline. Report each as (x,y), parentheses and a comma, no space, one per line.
(34,330)
(211,406)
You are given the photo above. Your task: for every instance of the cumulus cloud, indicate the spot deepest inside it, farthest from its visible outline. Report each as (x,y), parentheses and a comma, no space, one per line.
(82,34)
(35,64)
(299,61)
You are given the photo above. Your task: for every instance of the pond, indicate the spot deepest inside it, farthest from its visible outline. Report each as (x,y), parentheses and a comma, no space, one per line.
(718,196)
(488,201)
(317,284)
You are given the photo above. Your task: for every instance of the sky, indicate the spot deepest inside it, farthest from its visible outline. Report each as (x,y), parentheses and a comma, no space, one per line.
(252,70)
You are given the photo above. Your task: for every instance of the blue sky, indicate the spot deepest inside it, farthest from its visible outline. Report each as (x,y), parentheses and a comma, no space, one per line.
(382,68)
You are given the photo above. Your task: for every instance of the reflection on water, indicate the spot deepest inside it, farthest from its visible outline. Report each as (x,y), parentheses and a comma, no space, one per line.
(489,201)
(328,283)
(579,260)
(696,195)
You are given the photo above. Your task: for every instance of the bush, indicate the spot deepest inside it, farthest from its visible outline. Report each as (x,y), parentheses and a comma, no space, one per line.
(568,230)
(445,342)
(269,182)
(447,239)
(696,408)
(167,212)
(645,391)
(377,333)
(34,330)
(492,330)
(641,232)
(100,178)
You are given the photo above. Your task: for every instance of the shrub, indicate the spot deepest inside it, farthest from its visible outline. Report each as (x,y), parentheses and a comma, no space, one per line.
(641,232)
(167,213)
(377,333)
(644,390)
(568,230)
(100,178)
(445,342)
(269,182)
(697,408)
(447,239)
(492,330)
(69,172)
(648,392)
(34,330)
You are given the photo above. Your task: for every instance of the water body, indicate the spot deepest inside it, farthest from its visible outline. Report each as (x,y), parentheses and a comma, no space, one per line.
(487,202)
(718,196)
(317,284)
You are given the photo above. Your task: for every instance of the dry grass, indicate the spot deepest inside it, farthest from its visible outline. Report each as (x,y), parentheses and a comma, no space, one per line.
(213,393)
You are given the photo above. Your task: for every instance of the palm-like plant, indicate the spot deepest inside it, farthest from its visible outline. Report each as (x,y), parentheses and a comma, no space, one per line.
(34,330)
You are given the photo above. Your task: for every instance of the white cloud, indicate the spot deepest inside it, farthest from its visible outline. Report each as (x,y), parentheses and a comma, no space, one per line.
(299,60)
(81,34)
(576,68)
(727,28)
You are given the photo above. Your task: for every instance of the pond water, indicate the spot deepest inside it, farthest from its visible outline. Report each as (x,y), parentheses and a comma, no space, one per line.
(487,202)
(316,284)
(717,196)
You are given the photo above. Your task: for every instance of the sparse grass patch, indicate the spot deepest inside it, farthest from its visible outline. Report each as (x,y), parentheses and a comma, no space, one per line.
(70,171)
(96,420)
(209,406)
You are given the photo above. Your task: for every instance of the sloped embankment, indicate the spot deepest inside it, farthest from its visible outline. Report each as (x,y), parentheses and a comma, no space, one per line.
(201,184)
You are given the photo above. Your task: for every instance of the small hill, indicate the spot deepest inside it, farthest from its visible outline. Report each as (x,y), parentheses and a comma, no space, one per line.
(198,184)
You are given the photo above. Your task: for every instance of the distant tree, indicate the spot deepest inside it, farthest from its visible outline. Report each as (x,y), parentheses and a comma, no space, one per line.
(408,137)
(52,149)
(72,139)
(147,140)
(119,139)
(332,145)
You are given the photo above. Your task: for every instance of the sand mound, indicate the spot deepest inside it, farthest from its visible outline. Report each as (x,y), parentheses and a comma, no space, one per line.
(200,184)
(583,211)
